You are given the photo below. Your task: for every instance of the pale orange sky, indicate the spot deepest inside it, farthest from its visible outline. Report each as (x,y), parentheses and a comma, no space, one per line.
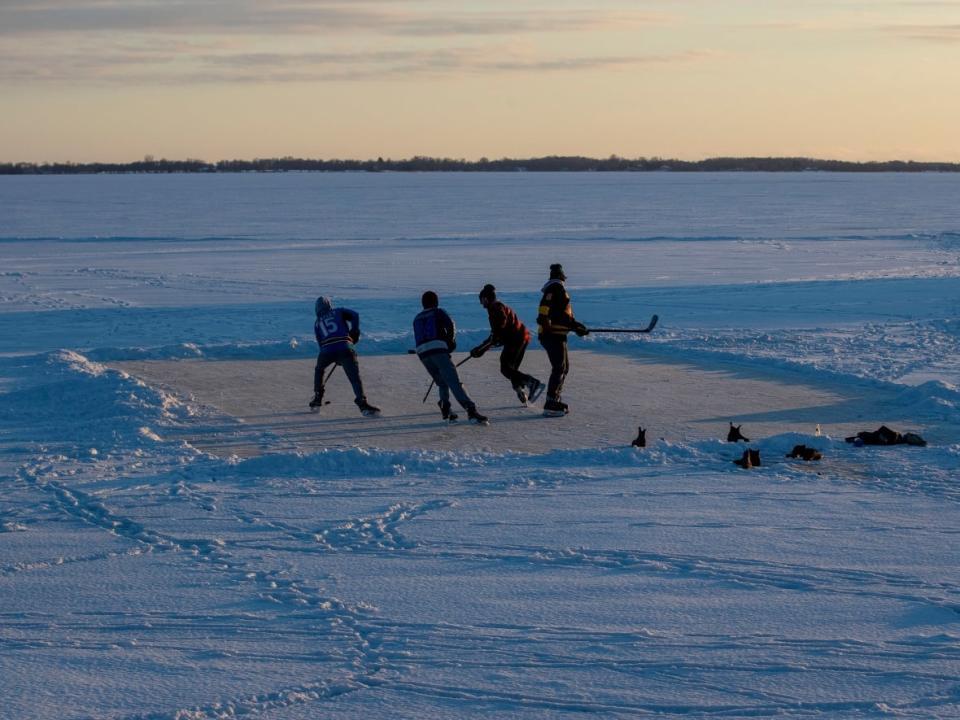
(115,80)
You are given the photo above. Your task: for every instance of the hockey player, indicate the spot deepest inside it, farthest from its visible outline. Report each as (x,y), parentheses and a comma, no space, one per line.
(436,337)
(555,319)
(337,331)
(506,329)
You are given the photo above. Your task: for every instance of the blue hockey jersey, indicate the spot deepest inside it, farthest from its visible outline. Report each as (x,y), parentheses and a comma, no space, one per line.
(434,332)
(333,328)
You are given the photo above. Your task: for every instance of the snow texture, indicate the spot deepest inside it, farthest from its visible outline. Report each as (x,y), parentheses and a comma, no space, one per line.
(144,577)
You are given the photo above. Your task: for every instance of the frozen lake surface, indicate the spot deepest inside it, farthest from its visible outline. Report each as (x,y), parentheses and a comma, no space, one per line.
(399,568)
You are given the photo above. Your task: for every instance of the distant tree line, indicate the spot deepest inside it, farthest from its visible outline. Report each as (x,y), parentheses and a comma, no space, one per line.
(551,163)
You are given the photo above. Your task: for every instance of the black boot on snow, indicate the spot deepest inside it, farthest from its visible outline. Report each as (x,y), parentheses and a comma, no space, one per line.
(476,417)
(366,408)
(317,402)
(446,412)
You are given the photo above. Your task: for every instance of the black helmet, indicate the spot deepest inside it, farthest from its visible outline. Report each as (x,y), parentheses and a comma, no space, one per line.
(489,292)
(556,272)
(322,305)
(429,299)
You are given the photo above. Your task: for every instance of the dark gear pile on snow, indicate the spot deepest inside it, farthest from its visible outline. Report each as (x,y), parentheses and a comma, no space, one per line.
(805,453)
(885,436)
(750,459)
(734,434)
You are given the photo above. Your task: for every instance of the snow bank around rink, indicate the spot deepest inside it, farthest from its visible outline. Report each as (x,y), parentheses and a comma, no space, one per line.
(66,402)
(65,399)
(820,332)
(929,471)
(827,355)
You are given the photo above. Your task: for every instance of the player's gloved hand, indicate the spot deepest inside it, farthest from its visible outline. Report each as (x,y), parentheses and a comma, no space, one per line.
(478,351)
(580,329)
(354,336)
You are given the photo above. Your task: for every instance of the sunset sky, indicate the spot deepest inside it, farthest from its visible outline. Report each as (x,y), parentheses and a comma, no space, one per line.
(116,80)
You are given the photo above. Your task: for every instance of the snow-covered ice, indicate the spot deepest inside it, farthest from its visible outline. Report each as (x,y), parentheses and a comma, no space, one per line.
(142,575)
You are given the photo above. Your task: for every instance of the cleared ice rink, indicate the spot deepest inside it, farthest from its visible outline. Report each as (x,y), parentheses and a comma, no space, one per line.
(264,404)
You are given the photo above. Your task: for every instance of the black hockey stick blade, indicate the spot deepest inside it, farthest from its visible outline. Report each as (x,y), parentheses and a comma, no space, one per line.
(648,328)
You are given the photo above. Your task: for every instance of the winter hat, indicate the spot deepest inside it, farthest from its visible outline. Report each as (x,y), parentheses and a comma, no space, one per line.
(322,305)
(489,292)
(556,272)
(429,299)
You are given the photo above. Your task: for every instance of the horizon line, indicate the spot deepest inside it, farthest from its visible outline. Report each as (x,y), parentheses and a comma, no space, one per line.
(427,163)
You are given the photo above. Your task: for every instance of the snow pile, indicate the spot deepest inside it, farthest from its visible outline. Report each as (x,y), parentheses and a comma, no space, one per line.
(65,397)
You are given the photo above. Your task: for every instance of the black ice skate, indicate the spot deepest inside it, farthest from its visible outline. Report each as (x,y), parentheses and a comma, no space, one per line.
(534,389)
(521,395)
(554,408)
(366,408)
(476,417)
(446,412)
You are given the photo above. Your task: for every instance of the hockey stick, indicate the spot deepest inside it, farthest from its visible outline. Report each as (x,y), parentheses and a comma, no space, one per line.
(433,382)
(324,383)
(648,328)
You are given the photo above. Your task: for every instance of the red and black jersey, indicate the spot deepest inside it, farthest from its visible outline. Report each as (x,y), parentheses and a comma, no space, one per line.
(505,326)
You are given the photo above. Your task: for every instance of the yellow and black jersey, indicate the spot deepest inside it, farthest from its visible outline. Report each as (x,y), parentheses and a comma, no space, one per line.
(555,316)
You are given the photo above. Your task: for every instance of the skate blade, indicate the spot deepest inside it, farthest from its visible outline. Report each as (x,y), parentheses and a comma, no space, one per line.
(553,413)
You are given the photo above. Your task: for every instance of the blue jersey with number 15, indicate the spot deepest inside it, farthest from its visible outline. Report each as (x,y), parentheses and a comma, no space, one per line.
(332,328)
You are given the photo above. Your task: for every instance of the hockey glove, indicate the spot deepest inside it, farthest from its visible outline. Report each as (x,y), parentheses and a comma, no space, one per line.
(580,329)
(478,351)
(354,336)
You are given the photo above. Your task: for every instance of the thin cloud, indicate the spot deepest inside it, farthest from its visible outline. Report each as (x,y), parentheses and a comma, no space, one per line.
(122,65)
(936,33)
(279,17)
(177,16)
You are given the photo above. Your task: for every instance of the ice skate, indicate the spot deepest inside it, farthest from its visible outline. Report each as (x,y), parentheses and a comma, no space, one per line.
(446,412)
(554,408)
(367,409)
(534,389)
(476,417)
(521,395)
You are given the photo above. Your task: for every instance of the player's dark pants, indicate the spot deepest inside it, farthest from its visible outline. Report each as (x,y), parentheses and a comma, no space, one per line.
(445,375)
(556,347)
(510,358)
(346,357)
